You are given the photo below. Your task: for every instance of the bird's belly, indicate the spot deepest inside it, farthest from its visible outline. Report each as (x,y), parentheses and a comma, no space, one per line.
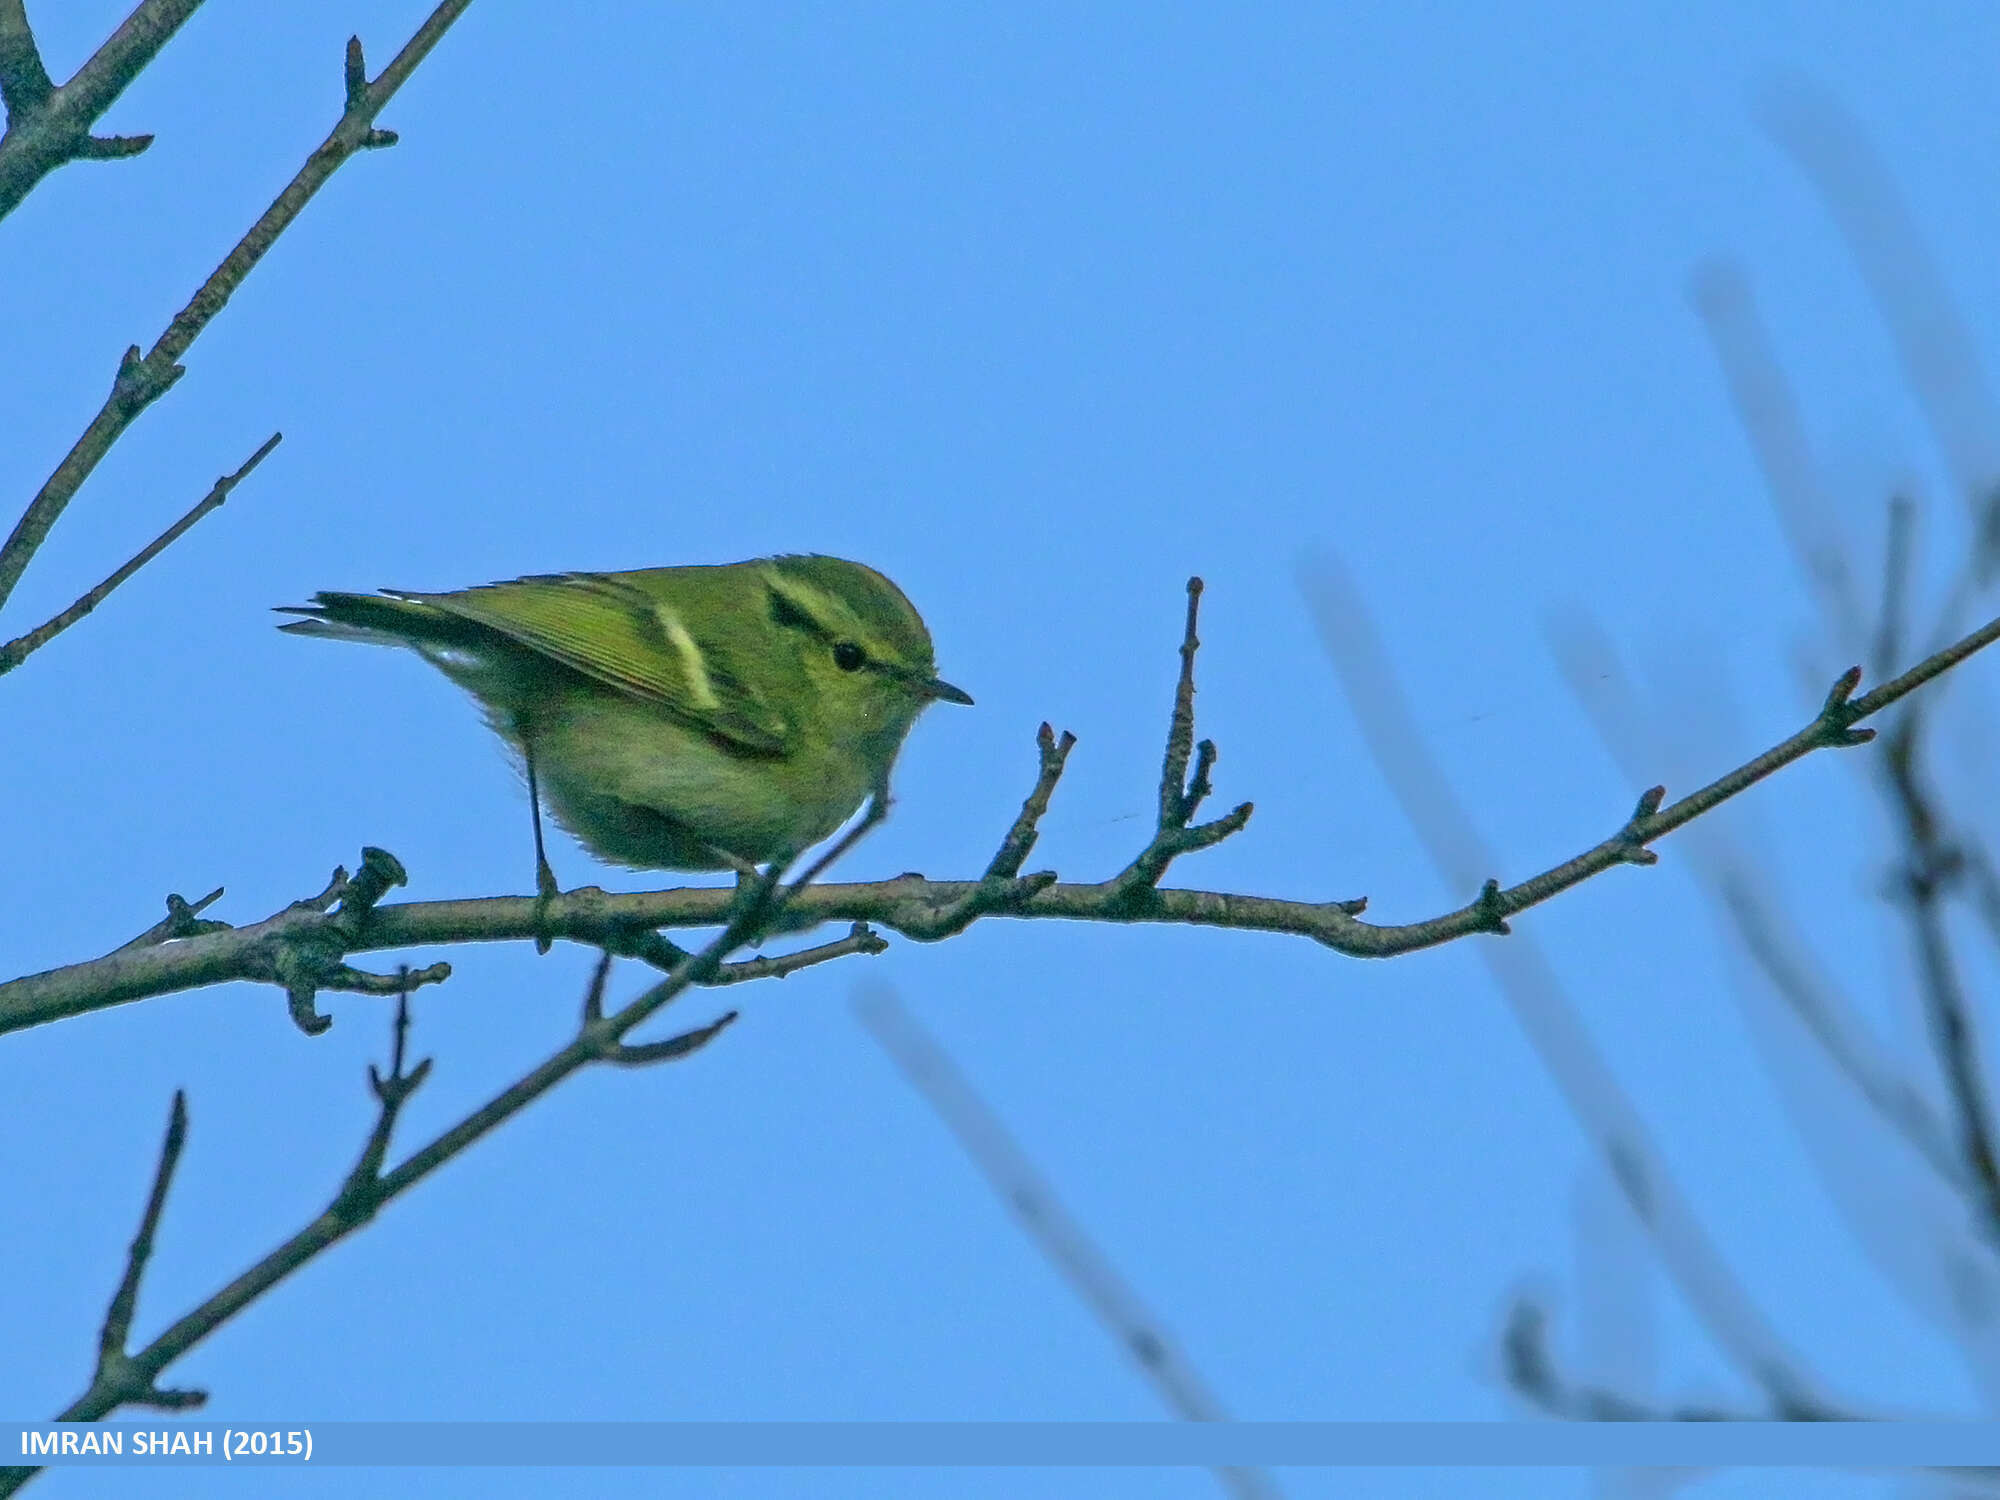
(641,790)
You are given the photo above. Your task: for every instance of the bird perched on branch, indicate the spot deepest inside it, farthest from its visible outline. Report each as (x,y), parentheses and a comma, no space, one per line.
(692,718)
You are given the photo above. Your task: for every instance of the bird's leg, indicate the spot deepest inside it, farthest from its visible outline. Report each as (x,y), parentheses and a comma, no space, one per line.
(545,878)
(747,876)
(746,870)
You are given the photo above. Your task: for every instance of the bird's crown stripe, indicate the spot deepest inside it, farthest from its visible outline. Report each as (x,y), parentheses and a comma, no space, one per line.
(806,606)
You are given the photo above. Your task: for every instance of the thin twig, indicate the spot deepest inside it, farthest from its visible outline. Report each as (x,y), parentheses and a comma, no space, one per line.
(367,1188)
(1941,362)
(1181,794)
(183,920)
(117,1377)
(1592,671)
(118,1317)
(925,910)
(358,1197)
(49,126)
(142,381)
(861,938)
(1032,1200)
(1943,367)
(1020,840)
(17,651)
(1180,726)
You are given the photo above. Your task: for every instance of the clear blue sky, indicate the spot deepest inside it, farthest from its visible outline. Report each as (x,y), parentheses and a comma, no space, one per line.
(1039,309)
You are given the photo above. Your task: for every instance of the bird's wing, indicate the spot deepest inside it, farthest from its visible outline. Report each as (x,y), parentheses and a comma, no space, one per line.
(626,639)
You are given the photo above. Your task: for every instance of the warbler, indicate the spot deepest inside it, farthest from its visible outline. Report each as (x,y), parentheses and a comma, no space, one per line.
(690,718)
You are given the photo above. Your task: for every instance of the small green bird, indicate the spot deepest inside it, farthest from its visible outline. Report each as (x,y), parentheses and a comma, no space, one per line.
(693,718)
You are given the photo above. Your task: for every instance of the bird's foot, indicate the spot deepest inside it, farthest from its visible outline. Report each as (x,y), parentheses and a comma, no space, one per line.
(546,890)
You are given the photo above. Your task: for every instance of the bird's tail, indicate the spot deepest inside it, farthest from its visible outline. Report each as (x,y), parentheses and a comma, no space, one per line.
(375,618)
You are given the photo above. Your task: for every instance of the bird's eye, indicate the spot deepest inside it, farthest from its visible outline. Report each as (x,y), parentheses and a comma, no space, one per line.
(848,657)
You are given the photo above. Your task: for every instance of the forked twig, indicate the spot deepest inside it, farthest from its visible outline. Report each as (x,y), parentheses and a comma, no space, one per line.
(18,650)
(124,1379)
(142,380)
(48,126)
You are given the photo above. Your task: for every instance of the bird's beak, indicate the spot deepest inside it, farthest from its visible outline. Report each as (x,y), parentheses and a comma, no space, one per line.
(944,692)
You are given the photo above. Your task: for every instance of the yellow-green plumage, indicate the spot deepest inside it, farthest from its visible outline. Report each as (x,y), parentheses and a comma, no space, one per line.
(680,718)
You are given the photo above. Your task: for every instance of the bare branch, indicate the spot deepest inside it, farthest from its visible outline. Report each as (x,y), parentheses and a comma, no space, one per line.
(358,1197)
(1941,361)
(112,147)
(181,921)
(118,1318)
(861,938)
(142,381)
(920,909)
(651,948)
(307,960)
(1529,984)
(1790,964)
(1033,1202)
(49,126)
(644,1054)
(1180,794)
(25,85)
(1020,840)
(1180,726)
(367,1188)
(17,651)
(1832,727)
(121,1379)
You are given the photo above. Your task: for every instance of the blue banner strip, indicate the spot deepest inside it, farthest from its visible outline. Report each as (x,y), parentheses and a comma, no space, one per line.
(1013,1444)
